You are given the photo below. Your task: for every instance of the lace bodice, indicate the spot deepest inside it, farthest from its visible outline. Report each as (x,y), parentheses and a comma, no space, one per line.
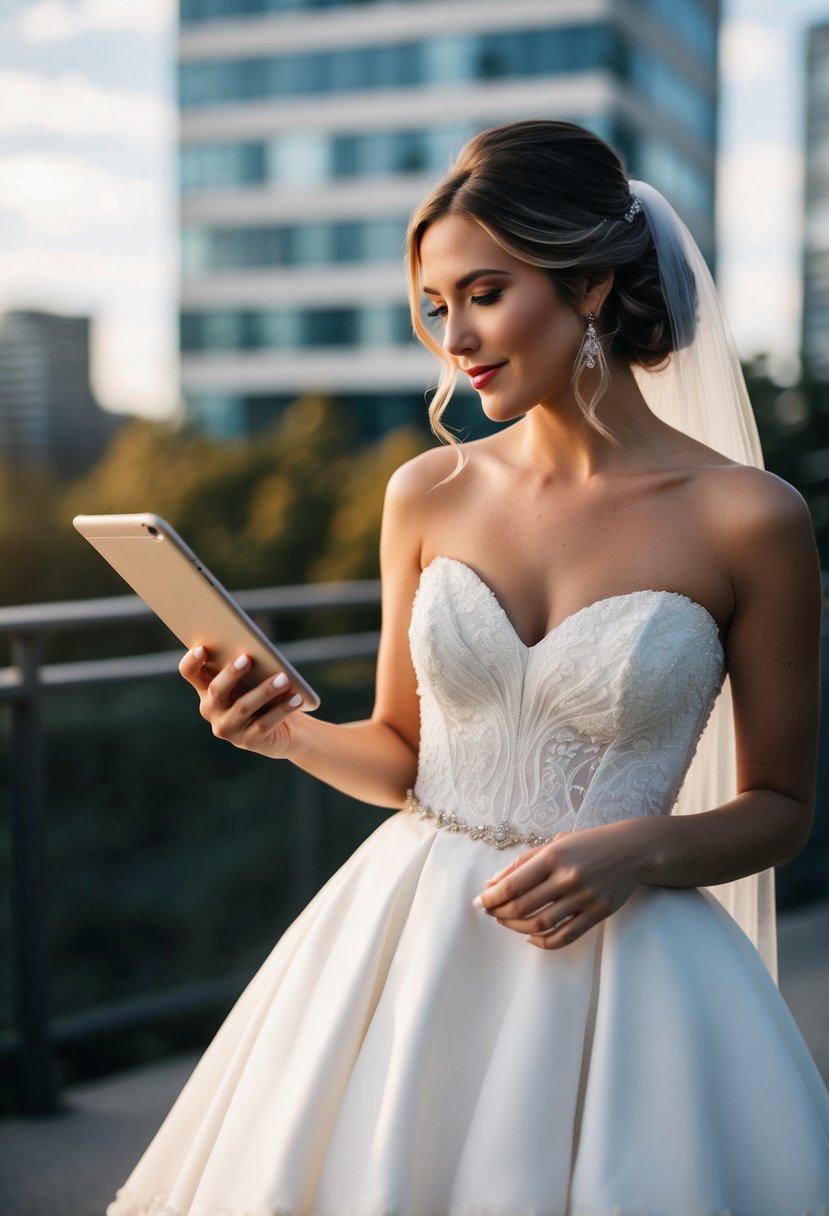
(596,722)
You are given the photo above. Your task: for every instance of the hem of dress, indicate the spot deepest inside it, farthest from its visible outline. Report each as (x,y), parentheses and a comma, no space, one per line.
(127,1205)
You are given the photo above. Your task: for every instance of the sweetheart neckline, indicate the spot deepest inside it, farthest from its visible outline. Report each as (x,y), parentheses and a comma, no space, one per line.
(595,604)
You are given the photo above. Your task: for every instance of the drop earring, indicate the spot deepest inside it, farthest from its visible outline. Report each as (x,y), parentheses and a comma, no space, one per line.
(590,348)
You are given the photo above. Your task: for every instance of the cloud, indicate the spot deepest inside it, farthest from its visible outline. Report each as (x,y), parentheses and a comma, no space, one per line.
(749,51)
(58,20)
(55,193)
(69,106)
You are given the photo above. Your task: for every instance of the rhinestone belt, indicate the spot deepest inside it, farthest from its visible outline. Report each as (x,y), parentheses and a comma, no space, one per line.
(499,835)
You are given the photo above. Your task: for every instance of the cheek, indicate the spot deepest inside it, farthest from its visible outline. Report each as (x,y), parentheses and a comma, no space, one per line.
(552,334)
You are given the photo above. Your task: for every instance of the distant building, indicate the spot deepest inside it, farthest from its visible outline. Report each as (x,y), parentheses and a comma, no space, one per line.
(48,413)
(816,227)
(309,129)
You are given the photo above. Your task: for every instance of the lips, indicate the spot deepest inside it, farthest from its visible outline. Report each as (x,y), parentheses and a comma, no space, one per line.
(481,376)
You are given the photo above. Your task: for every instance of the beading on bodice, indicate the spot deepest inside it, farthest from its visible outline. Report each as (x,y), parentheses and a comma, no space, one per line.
(595,723)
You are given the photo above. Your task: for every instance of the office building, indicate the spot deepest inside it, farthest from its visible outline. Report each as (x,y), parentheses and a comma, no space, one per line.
(816,201)
(48,412)
(310,129)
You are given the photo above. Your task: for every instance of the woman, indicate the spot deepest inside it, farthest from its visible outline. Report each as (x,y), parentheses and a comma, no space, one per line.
(573,589)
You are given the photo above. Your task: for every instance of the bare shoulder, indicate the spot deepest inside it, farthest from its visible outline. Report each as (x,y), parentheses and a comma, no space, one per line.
(413,481)
(752,504)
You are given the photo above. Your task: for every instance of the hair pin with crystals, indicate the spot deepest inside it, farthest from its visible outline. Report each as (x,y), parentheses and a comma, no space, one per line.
(634,208)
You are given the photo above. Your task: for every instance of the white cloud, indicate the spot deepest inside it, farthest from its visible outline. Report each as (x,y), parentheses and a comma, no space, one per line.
(749,51)
(79,278)
(54,193)
(58,20)
(71,107)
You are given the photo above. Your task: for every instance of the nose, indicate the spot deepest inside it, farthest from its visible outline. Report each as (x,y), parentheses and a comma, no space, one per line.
(459,336)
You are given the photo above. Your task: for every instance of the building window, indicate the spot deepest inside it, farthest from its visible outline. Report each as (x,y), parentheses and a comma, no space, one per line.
(311,158)
(297,328)
(662,84)
(197,11)
(212,250)
(445,60)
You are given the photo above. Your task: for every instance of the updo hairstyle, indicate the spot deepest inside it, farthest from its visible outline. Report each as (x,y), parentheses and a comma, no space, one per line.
(554,195)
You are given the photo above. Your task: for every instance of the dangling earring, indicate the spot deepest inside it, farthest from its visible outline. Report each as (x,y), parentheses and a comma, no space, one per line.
(590,349)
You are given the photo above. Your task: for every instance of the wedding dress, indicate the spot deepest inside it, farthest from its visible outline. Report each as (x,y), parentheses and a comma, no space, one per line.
(400,1053)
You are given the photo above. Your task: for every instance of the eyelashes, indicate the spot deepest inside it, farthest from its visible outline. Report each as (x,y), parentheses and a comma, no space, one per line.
(489,297)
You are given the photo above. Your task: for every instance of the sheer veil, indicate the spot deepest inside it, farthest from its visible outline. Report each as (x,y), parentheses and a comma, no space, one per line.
(702,392)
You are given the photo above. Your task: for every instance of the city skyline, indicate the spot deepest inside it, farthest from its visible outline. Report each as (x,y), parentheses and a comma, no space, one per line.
(88,210)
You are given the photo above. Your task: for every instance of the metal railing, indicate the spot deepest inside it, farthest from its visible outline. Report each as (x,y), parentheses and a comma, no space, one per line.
(23,685)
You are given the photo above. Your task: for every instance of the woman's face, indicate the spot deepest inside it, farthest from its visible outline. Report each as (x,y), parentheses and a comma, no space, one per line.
(498,318)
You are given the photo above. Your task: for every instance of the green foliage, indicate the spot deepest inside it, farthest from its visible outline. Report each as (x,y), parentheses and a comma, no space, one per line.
(280,507)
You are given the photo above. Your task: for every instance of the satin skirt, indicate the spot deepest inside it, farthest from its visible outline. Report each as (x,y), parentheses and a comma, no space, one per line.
(400,1053)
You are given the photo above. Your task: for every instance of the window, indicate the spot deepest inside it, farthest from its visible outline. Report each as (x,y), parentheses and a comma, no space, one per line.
(292,328)
(440,60)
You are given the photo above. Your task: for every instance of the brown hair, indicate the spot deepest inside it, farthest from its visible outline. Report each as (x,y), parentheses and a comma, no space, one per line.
(554,195)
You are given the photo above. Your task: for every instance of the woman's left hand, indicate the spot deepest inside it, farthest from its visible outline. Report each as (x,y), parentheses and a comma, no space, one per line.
(556,892)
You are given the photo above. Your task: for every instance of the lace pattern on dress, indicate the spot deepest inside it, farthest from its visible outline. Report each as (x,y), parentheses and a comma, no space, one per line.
(596,722)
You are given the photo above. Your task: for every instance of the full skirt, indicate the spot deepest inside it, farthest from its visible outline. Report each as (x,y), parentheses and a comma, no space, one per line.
(400,1053)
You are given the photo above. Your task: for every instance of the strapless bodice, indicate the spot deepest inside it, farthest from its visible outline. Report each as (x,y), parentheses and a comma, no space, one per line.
(596,722)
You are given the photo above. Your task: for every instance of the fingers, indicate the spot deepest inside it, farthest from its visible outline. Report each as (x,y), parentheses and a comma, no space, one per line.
(570,931)
(220,704)
(528,887)
(513,865)
(193,668)
(236,713)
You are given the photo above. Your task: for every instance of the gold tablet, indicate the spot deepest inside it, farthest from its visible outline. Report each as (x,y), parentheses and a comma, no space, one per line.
(153,559)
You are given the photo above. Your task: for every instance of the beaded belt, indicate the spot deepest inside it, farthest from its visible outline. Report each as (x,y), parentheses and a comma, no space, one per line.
(499,835)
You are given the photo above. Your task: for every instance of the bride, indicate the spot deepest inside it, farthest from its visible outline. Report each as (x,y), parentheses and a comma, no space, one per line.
(573,609)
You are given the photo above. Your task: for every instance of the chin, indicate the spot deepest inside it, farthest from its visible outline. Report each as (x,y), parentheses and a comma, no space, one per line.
(503,411)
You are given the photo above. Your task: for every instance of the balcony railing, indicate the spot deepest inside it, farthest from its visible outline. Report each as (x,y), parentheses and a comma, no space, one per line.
(23,687)
(35,1038)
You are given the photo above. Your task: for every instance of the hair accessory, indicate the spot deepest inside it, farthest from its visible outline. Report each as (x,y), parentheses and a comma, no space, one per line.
(634,208)
(590,344)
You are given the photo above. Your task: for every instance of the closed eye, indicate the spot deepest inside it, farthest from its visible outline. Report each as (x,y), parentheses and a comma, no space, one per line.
(489,297)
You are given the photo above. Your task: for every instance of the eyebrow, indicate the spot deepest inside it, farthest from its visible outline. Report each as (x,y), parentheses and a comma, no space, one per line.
(466,280)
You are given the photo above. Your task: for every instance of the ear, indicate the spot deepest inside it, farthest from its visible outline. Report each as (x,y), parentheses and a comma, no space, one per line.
(596,292)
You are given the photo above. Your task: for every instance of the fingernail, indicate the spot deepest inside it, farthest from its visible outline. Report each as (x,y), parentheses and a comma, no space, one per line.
(281,681)
(241,663)
(198,652)
(295,700)
(477,902)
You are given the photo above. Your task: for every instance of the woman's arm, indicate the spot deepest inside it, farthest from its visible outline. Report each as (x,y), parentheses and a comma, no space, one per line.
(375,760)
(773,661)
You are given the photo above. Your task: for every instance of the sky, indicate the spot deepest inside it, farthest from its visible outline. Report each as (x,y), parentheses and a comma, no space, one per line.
(87,179)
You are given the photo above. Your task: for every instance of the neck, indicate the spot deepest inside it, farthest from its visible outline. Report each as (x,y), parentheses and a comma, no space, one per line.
(555,438)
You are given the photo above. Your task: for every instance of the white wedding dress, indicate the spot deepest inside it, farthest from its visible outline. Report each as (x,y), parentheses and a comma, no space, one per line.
(402,1054)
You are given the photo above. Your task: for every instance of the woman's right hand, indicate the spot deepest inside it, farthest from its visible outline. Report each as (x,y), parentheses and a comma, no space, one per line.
(259,719)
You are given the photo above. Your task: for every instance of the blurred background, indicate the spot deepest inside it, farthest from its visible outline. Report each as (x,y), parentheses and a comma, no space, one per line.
(203,313)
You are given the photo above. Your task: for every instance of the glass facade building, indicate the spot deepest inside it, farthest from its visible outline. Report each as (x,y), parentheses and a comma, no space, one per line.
(816,226)
(310,129)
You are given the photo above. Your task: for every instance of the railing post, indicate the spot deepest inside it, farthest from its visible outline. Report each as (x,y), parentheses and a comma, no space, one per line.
(28,887)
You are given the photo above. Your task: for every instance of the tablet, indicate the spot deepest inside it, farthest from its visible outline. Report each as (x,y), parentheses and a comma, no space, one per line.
(153,559)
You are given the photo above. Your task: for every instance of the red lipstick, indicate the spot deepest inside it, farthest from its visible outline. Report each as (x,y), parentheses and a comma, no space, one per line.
(481,376)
